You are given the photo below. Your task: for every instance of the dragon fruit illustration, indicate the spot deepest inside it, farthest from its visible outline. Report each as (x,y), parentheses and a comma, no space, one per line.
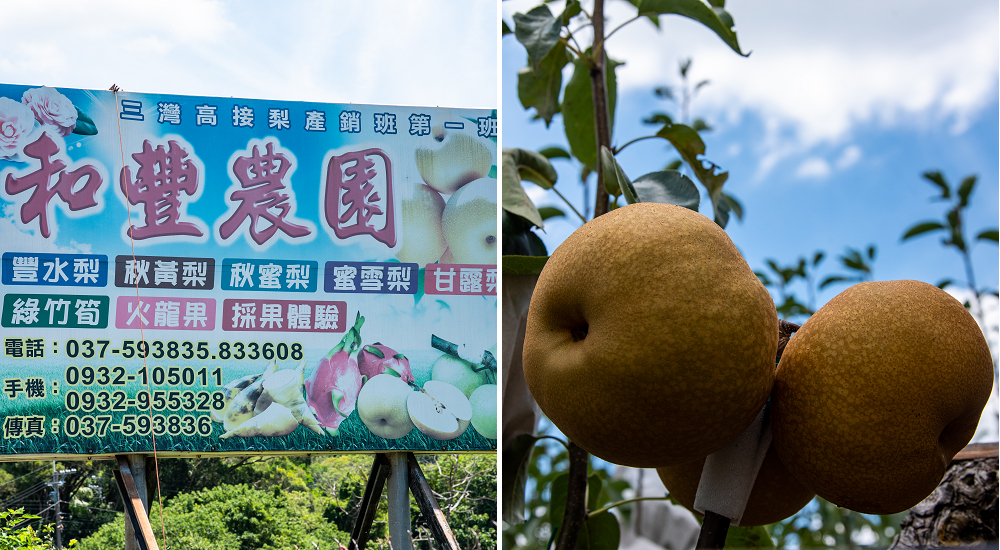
(332,388)
(377,358)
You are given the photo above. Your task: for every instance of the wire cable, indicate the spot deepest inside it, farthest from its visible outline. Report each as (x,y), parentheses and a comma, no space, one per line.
(142,336)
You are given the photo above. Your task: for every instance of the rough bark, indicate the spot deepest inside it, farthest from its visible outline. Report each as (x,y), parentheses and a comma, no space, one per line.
(962,511)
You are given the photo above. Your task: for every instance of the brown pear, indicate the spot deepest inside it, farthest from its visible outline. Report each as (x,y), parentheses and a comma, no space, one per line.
(649,340)
(776,494)
(877,392)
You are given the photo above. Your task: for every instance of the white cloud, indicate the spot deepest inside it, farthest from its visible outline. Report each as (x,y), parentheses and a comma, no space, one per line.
(813,167)
(818,70)
(391,52)
(850,157)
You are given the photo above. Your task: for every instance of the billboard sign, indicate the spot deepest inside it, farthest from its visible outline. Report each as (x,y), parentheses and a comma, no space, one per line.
(237,275)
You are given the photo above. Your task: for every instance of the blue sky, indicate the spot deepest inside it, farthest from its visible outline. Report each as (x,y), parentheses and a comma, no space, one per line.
(825,129)
(825,134)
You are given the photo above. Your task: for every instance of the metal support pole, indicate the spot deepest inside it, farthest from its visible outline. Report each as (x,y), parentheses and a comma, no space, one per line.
(135,510)
(404,476)
(399,502)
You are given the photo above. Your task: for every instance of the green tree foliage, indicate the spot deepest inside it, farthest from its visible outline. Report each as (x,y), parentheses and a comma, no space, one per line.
(821,524)
(465,488)
(234,517)
(15,533)
(787,280)
(288,502)
(954,226)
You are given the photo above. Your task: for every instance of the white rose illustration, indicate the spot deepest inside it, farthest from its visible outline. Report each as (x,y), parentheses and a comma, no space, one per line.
(16,123)
(51,108)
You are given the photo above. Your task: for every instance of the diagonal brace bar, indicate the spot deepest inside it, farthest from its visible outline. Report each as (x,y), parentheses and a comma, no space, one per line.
(429,507)
(369,502)
(133,505)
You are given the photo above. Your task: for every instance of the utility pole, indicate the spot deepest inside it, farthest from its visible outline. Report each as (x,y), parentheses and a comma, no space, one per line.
(58,477)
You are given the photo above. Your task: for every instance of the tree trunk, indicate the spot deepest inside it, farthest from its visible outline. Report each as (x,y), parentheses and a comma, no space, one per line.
(961,511)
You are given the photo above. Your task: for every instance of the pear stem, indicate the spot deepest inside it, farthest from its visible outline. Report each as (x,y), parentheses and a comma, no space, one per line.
(785,331)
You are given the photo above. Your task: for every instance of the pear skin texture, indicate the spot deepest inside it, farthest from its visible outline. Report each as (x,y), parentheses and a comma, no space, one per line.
(776,494)
(877,392)
(649,340)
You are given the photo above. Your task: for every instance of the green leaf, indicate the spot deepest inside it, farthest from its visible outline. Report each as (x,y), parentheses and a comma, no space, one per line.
(539,86)
(84,124)
(943,283)
(833,279)
(922,228)
(817,258)
(655,19)
(595,484)
(953,218)
(936,178)
(988,235)
(518,238)
(521,164)
(554,152)
(532,166)
(550,212)
(578,111)
(688,143)
(504,29)
(748,537)
(674,164)
(734,205)
(668,187)
(853,260)
(515,475)
(523,265)
(573,8)
(615,180)
(658,118)
(715,18)
(557,498)
(965,189)
(538,30)
(700,125)
(722,209)
(764,279)
(664,92)
(599,533)
(793,307)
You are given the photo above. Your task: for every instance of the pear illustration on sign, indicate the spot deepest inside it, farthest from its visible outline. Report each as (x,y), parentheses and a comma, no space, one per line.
(451,160)
(459,229)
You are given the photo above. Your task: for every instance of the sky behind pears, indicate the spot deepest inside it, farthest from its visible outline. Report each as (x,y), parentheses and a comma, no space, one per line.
(825,129)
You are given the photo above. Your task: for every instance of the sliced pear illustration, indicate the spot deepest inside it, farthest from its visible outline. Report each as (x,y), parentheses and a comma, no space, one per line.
(441,411)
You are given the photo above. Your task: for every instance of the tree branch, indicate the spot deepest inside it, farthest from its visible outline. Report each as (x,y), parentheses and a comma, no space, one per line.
(576,496)
(598,84)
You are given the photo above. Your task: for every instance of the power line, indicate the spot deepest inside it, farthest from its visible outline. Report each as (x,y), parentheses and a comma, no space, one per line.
(25,475)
